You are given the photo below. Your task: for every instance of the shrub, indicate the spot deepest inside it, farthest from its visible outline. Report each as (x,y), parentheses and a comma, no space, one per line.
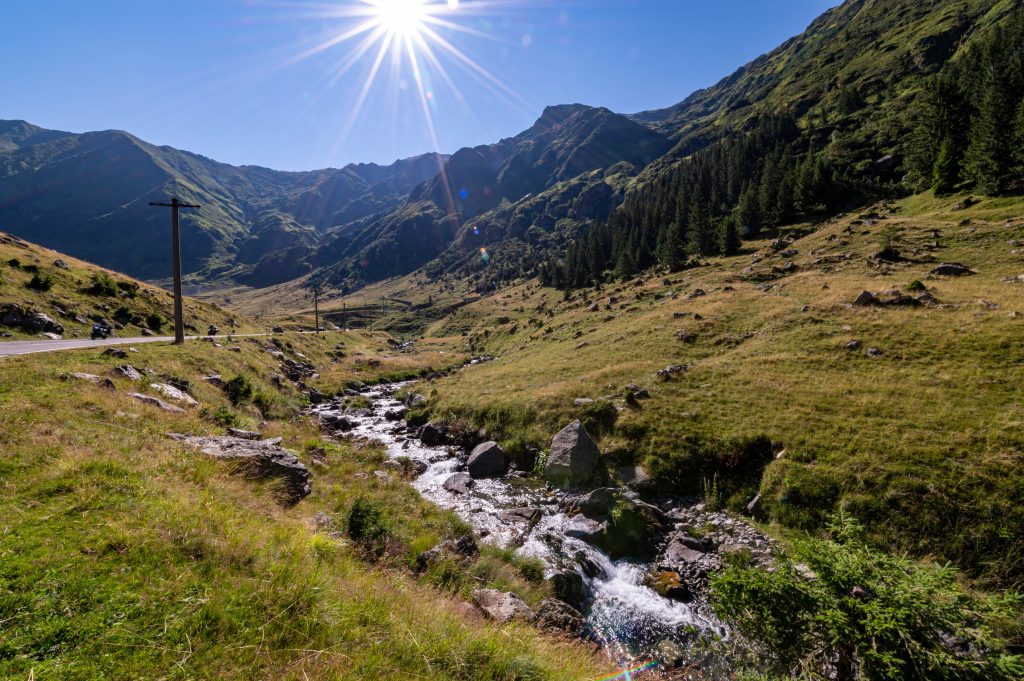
(239,390)
(154,321)
(864,614)
(223,417)
(368,526)
(102,285)
(916,285)
(40,281)
(888,241)
(798,495)
(128,288)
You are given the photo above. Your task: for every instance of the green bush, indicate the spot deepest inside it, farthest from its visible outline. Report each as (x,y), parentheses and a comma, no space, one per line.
(798,495)
(368,526)
(239,390)
(916,285)
(128,288)
(40,281)
(864,614)
(102,285)
(154,321)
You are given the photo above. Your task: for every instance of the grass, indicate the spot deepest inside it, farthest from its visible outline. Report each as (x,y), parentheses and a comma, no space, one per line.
(924,445)
(29,277)
(124,554)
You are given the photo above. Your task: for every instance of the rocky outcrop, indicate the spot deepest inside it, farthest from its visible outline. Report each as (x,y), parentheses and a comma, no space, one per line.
(568,587)
(433,435)
(502,606)
(173,393)
(12,314)
(463,548)
(574,458)
(487,461)
(157,402)
(126,371)
(260,460)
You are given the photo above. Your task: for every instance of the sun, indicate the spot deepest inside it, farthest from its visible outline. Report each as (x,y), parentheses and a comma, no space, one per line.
(402,18)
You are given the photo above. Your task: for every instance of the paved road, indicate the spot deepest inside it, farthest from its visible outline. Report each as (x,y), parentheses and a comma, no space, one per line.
(9,348)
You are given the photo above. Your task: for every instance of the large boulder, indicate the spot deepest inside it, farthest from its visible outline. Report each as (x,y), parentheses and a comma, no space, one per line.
(573,461)
(261,460)
(587,529)
(502,606)
(634,477)
(487,461)
(598,504)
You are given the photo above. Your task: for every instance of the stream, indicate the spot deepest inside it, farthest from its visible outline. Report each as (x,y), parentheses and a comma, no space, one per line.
(632,622)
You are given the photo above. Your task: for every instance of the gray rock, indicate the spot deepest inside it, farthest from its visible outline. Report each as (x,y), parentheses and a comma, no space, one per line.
(260,459)
(60,265)
(114,352)
(51,336)
(12,314)
(875,353)
(558,616)
(432,435)
(586,529)
(126,371)
(487,460)
(502,606)
(459,483)
(866,298)
(582,402)
(598,504)
(461,549)
(517,515)
(158,403)
(678,553)
(568,587)
(852,345)
(244,434)
(952,269)
(173,393)
(634,477)
(573,461)
(754,507)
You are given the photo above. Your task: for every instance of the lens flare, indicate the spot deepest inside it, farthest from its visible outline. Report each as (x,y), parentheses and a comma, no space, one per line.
(627,673)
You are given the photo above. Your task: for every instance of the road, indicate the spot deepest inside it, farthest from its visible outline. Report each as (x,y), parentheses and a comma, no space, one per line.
(10,348)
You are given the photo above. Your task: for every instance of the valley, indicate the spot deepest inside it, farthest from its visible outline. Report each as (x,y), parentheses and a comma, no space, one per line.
(726,390)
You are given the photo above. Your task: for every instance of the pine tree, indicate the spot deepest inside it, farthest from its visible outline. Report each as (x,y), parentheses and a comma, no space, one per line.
(989,155)
(729,235)
(1018,141)
(947,168)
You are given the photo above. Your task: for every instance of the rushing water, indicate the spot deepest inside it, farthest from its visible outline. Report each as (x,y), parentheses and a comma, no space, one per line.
(628,618)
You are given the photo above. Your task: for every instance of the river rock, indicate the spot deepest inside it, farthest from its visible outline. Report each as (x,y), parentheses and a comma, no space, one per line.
(587,529)
(487,461)
(668,584)
(261,460)
(433,435)
(598,504)
(114,352)
(559,616)
(332,421)
(459,483)
(573,461)
(12,314)
(502,606)
(568,587)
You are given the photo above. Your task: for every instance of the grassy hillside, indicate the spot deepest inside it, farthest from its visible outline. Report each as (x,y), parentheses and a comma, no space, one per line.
(77,293)
(125,554)
(923,443)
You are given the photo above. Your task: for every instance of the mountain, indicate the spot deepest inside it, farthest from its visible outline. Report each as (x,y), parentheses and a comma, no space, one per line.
(817,126)
(88,195)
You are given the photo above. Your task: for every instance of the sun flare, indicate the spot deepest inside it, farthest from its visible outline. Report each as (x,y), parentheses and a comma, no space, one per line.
(402,17)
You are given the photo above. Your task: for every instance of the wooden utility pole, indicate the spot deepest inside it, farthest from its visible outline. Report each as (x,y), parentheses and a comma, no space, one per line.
(316,309)
(179,319)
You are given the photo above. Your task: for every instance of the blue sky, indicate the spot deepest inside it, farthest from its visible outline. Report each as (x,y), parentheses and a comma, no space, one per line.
(222,78)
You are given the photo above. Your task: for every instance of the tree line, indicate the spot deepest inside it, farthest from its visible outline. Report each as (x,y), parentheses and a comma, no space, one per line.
(968,134)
